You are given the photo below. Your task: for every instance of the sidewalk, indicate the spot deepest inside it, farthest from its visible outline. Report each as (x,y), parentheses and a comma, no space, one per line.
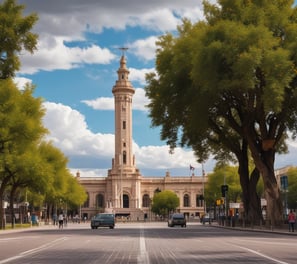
(265,229)
(43,227)
(284,230)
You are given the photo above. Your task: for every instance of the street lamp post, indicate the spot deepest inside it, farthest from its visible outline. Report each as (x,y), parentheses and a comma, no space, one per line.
(284,189)
(203,187)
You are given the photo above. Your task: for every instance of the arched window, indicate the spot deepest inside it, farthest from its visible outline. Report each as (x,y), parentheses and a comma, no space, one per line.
(146,200)
(186,200)
(100,201)
(125,201)
(124,157)
(86,203)
(199,200)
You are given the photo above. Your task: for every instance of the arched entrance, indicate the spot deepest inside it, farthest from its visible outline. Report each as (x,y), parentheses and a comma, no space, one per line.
(125,201)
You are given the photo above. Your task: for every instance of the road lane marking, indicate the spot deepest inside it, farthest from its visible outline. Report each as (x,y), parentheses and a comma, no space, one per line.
(142,257)
(262,255)
(34,250)
(17,238)
(279,242)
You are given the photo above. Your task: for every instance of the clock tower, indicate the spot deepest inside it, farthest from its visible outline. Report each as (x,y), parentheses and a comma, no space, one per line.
(124,179)
(123,93)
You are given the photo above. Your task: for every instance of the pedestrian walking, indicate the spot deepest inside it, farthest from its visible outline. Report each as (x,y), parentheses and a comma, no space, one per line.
(291,220)
(61,220)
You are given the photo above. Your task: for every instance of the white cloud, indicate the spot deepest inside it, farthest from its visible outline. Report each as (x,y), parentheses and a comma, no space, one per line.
(69,132)
(159,157)
(21,82)
(72,19)
(71,135)
(162,19)
(138,75)
(61,22)
(140,100)
(102,103)
(88,172)
(53,54)
(145,48)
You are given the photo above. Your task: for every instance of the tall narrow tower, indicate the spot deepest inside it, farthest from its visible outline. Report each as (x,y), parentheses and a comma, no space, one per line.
(124,179)
(123,92)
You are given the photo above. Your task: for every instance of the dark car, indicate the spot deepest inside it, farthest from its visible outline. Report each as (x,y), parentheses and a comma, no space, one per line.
(177,219)
(206,219)
(103,220)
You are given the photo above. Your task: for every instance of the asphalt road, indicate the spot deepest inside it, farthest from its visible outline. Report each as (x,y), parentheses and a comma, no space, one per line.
(145,243)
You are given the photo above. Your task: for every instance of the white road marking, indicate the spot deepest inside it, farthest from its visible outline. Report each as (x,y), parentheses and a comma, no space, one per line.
(143,255)
(34,250)
(17,238)
(262,255)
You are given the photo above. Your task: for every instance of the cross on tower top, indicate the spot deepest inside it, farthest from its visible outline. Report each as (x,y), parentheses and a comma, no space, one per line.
(123,49)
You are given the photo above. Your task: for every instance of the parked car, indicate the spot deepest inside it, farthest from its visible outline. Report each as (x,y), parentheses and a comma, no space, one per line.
(103,220)
(177,219)
(206,219)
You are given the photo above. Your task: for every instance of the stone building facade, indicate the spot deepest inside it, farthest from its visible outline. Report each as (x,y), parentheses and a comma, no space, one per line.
(124,191)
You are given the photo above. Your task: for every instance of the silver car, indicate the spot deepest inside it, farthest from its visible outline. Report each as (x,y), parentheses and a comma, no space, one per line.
(103,220)
(177,219)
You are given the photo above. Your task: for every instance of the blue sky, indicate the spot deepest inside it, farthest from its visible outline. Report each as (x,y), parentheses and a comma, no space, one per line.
(74,70)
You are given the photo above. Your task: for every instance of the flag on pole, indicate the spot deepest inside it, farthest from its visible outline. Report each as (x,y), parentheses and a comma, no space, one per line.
(191,168)
(203,172)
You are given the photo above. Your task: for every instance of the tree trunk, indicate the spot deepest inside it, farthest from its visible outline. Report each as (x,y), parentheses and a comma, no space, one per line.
(274,210)
(265,164)
(12,216)
(250,198)
(2,211)
(255,213)
(2,222)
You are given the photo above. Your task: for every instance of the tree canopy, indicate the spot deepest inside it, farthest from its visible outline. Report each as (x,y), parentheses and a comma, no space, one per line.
(291,193)
(227,85)
(26,159)
(164,202)
(223,175)
(15,36)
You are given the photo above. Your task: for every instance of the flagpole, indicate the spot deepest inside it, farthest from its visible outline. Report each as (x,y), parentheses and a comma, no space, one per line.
(203,186)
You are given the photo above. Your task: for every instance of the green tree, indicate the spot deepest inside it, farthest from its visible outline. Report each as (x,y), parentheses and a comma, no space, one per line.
(292,188)
(223,175)
(57,172)
(75,195)
(19,126)
(15,36)
(26,172)
(22,129)
(230,82)
(59,187)
(164,202)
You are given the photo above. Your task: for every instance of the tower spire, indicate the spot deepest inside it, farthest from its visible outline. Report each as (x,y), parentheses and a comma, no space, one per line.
(123,92)
(123,49)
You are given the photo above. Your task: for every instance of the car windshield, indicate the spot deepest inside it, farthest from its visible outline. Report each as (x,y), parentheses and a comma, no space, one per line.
(178,217)
(104,216)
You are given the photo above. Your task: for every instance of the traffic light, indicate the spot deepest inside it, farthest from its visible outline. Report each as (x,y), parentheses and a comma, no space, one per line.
(219,202)
(224,189)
